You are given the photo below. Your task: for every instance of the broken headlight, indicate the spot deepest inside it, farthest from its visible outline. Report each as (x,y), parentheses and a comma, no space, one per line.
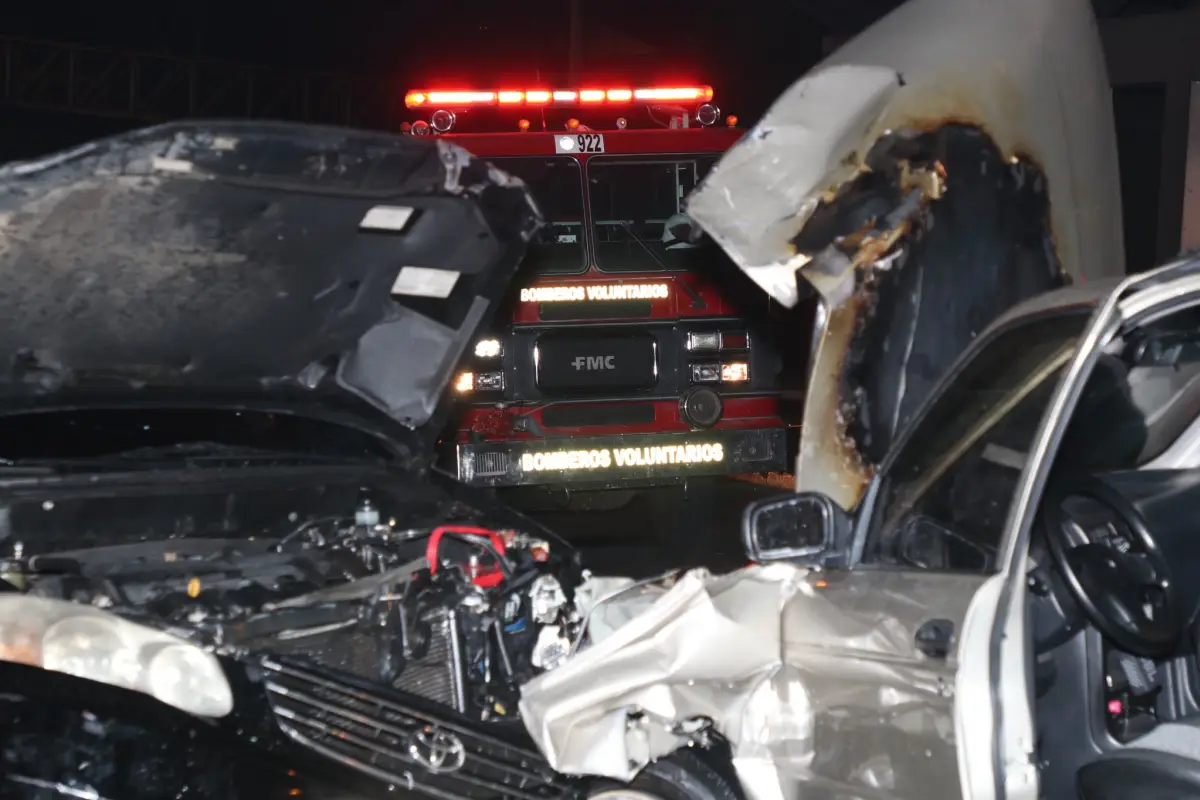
(90,643)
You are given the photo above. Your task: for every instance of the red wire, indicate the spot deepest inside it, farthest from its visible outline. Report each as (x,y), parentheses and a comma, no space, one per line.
(433,549)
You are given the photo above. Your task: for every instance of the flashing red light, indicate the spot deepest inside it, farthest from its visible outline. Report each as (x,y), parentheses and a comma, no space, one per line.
(523,125)
(460,98)
(572,124)
(731,120)
(698,94)
(533,97)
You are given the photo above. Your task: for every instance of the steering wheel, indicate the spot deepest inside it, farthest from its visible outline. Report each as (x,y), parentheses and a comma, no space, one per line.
(1126,592)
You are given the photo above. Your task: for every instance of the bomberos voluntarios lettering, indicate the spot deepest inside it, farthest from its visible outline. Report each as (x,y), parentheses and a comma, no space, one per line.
(605,458)
(596,291)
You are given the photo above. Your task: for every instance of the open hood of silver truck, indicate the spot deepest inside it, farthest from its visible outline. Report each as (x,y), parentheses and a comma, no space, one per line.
(955,158)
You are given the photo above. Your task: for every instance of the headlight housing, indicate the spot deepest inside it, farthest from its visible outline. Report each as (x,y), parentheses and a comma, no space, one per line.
(489,348)
(90,643)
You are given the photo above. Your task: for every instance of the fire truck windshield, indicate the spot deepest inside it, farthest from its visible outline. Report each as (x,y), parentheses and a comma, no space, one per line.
(556,183)
(632,200)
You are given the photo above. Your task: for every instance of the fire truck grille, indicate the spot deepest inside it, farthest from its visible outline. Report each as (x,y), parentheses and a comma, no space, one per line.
(489,464)
(574,362)
(578,312)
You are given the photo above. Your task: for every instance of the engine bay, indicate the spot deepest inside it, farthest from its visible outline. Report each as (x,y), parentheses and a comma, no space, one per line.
(419,593)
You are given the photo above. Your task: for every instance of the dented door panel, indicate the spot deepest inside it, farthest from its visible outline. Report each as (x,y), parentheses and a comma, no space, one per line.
(883,710)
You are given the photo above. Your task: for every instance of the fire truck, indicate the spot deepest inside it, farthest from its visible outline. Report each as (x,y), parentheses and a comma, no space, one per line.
(617,362)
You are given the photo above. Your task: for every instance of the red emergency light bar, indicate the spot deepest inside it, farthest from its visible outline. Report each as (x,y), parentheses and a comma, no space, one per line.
(437,98)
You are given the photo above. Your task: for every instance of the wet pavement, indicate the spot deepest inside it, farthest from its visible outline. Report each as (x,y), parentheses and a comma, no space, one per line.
(662,528)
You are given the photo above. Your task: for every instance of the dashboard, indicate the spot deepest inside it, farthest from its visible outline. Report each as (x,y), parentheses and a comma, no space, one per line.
(1119,554)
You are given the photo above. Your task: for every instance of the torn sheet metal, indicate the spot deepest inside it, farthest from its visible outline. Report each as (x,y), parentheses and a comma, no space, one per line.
(956,158)
(607,603)
(811,677)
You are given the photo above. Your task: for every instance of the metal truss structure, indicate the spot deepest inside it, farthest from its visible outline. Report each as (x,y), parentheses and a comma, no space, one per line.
(842,19)
(56,76)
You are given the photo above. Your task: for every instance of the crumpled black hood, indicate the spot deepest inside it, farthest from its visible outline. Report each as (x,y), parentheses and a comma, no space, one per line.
(252,260)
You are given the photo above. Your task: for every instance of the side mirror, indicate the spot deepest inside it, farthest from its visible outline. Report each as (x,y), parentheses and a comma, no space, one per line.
(682,232)
(805,527)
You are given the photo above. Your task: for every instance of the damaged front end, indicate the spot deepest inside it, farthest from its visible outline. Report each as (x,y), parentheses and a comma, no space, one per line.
(754,661)
(953,160)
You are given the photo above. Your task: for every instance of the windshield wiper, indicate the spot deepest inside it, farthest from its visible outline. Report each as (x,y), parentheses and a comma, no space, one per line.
(697,300)
(629,229)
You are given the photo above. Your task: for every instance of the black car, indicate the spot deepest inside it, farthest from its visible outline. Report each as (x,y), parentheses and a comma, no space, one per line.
(226,567)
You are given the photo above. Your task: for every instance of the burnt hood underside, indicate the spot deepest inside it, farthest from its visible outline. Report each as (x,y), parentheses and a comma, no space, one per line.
(954,159)
(267,259)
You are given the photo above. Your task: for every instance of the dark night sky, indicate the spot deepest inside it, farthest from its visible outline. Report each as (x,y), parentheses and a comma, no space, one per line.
(749,51)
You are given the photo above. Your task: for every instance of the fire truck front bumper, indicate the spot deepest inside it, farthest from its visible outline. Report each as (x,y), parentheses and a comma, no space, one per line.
(617,459)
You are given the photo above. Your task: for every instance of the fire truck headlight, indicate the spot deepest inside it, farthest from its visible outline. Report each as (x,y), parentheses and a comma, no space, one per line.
(489,348)
(465,382)
(490,381)
(709,340)
(706,372)
(735,372)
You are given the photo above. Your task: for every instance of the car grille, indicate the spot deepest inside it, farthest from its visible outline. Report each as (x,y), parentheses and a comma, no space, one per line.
(388,739)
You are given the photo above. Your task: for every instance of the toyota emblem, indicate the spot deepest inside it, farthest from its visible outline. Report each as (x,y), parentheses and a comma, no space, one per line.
(437,750)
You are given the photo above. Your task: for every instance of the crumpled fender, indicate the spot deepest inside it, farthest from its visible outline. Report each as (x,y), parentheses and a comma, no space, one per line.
(710,647)
(762,655)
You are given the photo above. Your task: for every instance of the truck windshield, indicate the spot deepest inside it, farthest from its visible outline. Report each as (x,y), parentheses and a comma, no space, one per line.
(633,198)
(556,183)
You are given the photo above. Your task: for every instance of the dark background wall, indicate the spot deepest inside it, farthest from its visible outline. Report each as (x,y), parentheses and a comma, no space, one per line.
(748,51)
(1139,112)
(350,61)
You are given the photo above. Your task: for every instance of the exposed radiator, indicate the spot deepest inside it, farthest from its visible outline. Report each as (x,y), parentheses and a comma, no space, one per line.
(379,734)
(436,675)
(346,649)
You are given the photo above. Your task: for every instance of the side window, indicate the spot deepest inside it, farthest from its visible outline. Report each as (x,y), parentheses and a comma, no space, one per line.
(945,496)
